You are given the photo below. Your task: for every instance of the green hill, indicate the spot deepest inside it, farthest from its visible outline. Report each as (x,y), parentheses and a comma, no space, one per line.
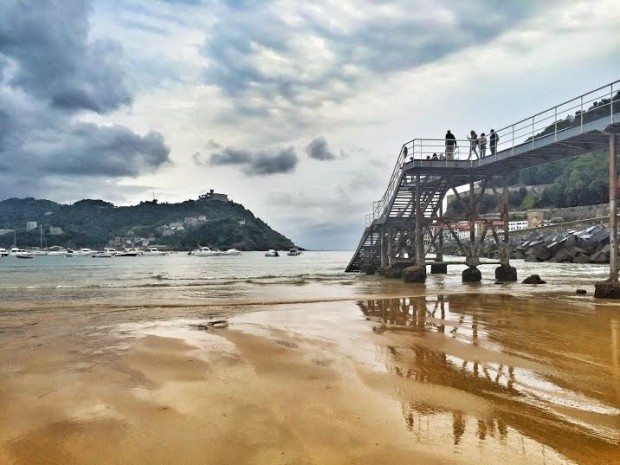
(93,223)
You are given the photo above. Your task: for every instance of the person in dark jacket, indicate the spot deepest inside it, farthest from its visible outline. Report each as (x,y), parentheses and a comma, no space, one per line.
(493,140)
(450,145)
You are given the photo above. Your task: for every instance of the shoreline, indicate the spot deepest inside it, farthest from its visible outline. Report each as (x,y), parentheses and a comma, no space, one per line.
(428,378)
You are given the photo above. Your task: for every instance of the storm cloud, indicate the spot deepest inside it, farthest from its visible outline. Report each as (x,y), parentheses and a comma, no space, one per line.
(259,163)
(56,61)
(106,151)
(307,55)
(319,150)
(53,73)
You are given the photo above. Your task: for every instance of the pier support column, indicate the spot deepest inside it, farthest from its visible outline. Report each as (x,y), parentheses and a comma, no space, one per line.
(439,268)
(610,289)
(383,245)
(505,272)
(472,274)
(390,247)
(417,272)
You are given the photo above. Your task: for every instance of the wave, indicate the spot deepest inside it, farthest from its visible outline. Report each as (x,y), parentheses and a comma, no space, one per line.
(184,282)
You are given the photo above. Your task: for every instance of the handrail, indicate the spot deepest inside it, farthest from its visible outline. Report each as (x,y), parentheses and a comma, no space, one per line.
(510,136)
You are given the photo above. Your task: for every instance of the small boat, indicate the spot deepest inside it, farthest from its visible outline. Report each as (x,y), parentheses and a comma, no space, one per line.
(128,253)
(109,250)
(294,252)
(21,253)
(70,253)
(232,252)
(56,250)
(25,255)
(205,252)
(4,253)
(102,254)
(272,253)
(84,251)
(154,251)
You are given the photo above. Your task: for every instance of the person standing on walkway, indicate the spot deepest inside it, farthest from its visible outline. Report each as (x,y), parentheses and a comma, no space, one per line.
(473,143)
(450,145)
(493,139)
(482,142)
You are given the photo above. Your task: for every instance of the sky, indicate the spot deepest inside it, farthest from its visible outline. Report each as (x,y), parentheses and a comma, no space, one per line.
(296,109)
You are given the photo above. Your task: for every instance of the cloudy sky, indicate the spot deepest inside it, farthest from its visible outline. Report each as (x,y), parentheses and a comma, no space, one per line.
(295,109)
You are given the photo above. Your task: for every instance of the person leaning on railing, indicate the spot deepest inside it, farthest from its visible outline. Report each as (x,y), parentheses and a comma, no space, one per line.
(450,145)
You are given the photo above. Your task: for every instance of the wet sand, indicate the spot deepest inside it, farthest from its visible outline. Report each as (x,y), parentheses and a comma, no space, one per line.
(437,379)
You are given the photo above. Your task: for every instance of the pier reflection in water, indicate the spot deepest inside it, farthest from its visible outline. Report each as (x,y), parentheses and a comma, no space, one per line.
(549,370)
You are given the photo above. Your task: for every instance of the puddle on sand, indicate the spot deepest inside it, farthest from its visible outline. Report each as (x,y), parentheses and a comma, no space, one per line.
(550,371)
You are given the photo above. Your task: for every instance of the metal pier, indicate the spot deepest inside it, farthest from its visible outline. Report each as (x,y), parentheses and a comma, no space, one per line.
(408,223)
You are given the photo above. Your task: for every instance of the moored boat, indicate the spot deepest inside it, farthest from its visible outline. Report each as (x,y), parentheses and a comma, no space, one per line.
(154,251)
(56,250)
(102,254)
(294,252)
(232,252)
(21,253)
(272,253)
(128,253)
(205,252)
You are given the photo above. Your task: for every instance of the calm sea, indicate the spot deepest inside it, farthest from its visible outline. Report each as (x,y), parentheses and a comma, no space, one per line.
(180,279)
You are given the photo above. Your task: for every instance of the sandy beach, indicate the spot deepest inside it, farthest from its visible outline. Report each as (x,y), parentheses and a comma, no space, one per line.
(422,378)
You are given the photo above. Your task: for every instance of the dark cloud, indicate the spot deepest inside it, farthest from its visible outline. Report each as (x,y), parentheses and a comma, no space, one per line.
(319,150)
(376,43)
(106,151)
(57,61)
(259,163)
(230,156)
(263,164)
(56,71)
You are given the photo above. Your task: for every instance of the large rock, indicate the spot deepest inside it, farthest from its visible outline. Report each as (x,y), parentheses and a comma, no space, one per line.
(564,255)
(582,258)
(601,255)
(607,290)
(534,279)
(414,274)
(392,273)
(589,245)
(471,274)
(537,253)
(439,268)
(506,273)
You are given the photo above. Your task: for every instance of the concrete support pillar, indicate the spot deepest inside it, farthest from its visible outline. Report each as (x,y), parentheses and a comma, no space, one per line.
(472,274)
(610,289)
(417,273)
(390,247)
(505,272)
(419,230)
(613,211)
(439,241)
(383,245)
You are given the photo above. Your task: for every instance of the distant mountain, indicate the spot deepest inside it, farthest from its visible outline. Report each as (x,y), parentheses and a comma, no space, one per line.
(93,223)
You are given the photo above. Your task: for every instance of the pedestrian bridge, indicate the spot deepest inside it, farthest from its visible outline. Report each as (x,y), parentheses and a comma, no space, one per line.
(412,202)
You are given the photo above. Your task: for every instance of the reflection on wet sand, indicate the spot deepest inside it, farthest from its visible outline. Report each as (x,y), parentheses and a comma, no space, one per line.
(550,370)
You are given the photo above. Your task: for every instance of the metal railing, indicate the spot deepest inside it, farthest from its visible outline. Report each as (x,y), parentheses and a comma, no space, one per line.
(574,113)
